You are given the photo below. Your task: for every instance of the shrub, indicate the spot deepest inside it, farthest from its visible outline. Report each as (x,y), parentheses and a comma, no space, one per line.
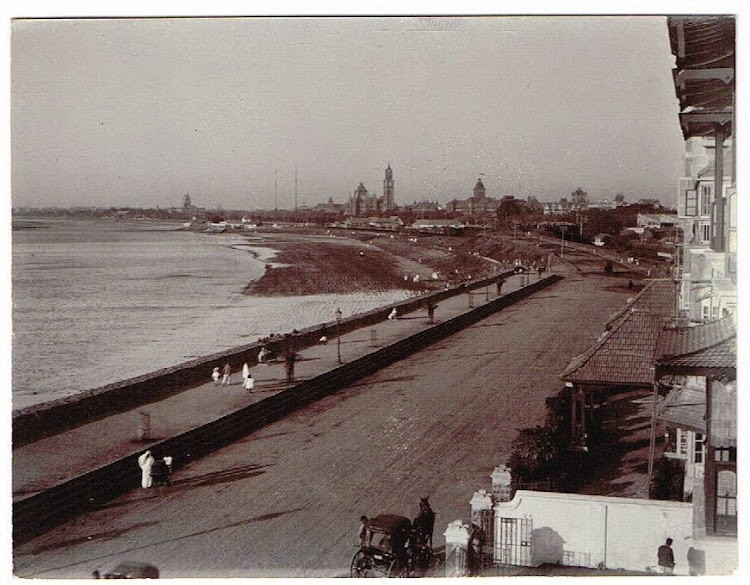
(667,479)
(535,453)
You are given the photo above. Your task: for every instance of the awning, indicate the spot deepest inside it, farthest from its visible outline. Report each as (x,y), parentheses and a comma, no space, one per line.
(685,407)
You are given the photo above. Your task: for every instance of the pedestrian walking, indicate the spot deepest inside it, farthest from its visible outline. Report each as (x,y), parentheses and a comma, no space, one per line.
(226,380)
(289,360)
(249,383)
(665,555)
(145,462)
(216,376)
(245,372)
(393,314)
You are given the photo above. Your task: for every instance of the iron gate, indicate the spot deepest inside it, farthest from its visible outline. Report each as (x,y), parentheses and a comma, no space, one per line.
(513,541)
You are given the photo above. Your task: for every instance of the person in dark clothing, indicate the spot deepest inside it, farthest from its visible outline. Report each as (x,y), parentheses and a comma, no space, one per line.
(363,531)
(289,360)
(666,557)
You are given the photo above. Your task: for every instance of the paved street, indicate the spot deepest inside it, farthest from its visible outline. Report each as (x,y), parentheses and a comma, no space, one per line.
(286,500)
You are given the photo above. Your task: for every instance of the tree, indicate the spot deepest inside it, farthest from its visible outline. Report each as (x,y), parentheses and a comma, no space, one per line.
(508,210)
(535,453)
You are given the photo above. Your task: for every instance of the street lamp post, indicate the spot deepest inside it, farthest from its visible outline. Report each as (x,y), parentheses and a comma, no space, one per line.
(338,334)
(562,241)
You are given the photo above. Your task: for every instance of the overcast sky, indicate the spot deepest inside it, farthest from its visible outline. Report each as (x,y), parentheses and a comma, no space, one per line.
(138,112)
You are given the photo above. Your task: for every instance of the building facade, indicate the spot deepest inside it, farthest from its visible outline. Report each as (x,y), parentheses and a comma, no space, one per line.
(704,353)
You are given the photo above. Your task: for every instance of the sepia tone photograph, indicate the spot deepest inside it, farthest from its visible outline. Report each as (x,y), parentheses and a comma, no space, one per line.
(359,295)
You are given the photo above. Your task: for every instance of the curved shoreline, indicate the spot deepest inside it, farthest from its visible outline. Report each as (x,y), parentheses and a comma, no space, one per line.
(213,327)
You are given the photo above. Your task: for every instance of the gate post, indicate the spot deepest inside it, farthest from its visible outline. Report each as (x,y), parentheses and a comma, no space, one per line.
(501,479)
(482,519)
(457,537)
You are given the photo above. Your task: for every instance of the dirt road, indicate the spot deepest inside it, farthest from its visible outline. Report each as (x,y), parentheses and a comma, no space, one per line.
(286,500)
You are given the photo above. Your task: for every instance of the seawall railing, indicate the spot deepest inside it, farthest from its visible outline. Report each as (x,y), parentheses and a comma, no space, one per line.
(44,420)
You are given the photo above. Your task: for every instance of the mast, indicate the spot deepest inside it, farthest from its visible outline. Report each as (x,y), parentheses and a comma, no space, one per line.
(295,186)
(276,190)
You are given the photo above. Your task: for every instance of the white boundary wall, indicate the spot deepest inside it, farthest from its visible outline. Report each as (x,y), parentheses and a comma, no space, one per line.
(600,531)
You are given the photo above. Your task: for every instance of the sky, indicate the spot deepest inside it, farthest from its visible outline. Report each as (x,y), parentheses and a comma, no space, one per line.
(138,112)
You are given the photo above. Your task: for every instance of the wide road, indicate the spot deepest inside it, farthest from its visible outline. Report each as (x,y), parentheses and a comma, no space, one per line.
(286,500)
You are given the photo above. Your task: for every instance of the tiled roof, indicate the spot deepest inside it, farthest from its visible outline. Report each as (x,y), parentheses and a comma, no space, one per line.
(688,340)
(686,408)
(657,297)
(722,355)
(622,355)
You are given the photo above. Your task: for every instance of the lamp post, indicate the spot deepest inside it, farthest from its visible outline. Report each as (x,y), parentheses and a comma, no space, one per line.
(562,241)
(338,334)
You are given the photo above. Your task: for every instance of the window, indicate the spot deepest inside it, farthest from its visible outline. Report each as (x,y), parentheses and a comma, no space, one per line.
(699,448)
(726,501)
(682,443)
(691,202)
(706,199)
(705,232)
(725,454)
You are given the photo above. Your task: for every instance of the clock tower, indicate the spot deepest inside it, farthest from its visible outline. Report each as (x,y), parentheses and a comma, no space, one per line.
(388,185)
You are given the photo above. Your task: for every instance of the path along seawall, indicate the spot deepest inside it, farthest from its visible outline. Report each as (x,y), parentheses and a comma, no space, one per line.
(42,420)
(40,512)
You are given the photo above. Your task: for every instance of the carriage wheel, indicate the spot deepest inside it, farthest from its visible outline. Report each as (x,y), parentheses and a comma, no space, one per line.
(422,558)
(360,565)
(396,569)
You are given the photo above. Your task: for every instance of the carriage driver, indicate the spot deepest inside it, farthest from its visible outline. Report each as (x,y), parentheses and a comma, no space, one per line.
(363,531)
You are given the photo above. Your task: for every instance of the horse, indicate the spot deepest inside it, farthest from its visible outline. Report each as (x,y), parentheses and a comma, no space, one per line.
(424,523)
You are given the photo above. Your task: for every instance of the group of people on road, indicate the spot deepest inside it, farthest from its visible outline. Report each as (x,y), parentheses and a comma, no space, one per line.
(224,376)
(154,471)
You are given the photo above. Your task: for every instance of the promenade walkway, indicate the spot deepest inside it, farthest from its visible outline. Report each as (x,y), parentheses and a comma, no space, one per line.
(53,460)
(285,500)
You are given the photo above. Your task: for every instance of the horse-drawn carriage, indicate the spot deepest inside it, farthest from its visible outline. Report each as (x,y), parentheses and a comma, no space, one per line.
(393,546)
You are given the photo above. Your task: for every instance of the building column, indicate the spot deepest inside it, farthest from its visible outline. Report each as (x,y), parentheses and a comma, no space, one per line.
(719,235)
(577,414)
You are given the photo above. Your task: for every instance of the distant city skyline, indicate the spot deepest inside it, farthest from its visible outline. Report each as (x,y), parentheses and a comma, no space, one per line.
(138,112)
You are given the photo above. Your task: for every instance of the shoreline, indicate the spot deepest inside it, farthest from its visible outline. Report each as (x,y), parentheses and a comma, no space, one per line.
(218,325)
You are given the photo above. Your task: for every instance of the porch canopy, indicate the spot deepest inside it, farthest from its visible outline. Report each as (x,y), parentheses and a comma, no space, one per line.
(623,354)
(707,350)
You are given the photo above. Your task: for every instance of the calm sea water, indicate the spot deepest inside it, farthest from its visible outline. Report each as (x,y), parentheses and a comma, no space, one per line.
(98,302)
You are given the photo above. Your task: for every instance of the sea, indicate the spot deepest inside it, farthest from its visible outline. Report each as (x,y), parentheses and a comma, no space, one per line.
(96,302)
